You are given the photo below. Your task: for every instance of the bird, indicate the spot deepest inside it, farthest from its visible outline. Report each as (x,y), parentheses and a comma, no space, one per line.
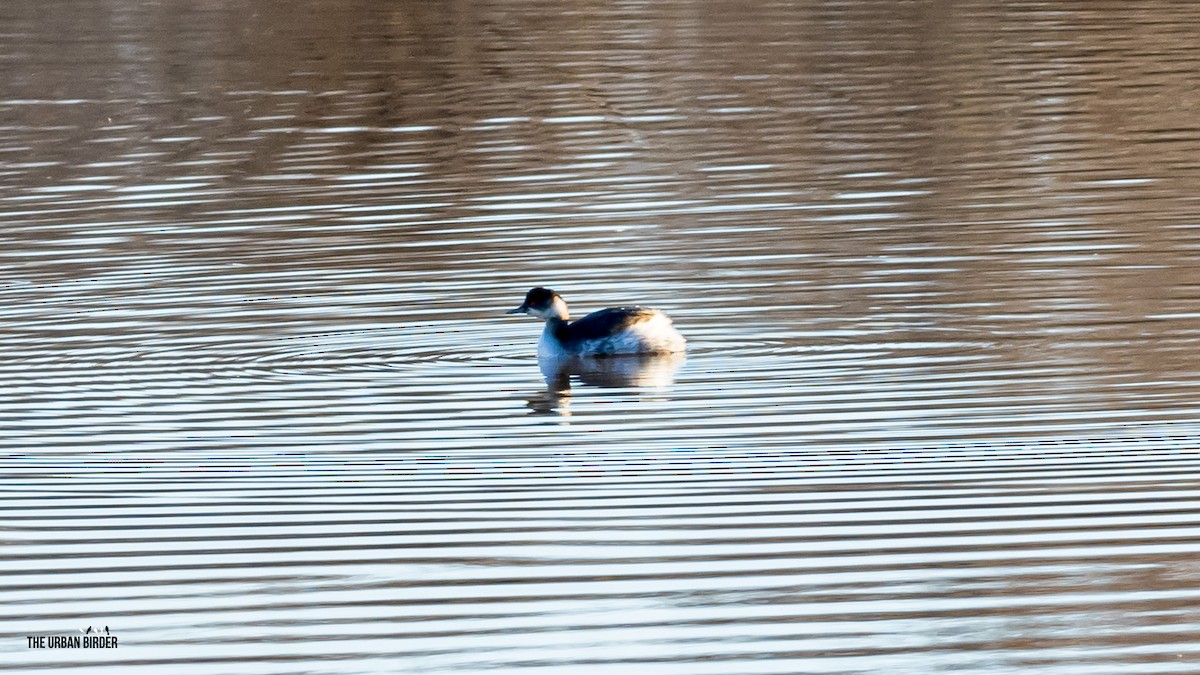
(608,332)
(106,631)
(88,631)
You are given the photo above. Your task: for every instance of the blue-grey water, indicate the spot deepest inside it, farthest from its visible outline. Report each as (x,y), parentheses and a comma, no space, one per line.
(261,410)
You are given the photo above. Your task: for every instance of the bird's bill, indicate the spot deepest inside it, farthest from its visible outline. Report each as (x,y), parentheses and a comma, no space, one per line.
(523,309)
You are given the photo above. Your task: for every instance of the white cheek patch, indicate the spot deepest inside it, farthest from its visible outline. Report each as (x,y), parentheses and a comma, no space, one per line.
(557,308)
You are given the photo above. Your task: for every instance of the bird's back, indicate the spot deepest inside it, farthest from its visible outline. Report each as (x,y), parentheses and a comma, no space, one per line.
(622,330)
(607,322)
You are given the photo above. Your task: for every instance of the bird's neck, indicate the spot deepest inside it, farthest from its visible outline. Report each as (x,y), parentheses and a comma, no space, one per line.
(557,326)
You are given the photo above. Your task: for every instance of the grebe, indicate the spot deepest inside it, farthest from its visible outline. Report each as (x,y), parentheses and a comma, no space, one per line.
(608,332)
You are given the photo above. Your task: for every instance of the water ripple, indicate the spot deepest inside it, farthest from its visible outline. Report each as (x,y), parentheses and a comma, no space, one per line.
(263,413)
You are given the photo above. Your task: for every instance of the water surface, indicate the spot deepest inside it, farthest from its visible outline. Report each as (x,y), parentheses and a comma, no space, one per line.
(261,410)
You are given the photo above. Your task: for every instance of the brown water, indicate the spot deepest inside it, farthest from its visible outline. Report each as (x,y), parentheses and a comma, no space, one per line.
(261,410)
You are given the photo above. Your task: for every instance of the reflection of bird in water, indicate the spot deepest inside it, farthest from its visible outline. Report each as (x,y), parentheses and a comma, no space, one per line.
(608,332)
(642,371)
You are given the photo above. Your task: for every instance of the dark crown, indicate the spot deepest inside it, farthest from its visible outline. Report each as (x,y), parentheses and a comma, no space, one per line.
(539,297)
